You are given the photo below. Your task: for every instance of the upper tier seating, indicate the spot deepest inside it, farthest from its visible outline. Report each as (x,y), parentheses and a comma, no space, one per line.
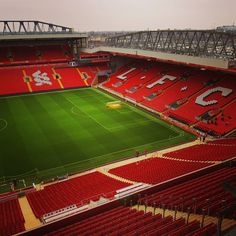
(78,191)
(125,221)
(23,54)
(55,53)
(3,56)
(11,218)
(206,152)
(34,54)
(205,192)
(156,170)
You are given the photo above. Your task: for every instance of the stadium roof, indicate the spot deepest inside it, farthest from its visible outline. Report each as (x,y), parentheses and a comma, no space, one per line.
(206,43)
(29,30)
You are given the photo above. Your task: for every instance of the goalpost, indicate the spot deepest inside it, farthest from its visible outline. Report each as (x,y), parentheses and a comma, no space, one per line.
(114,105)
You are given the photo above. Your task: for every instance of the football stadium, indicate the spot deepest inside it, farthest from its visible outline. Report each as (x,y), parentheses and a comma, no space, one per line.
(134,134)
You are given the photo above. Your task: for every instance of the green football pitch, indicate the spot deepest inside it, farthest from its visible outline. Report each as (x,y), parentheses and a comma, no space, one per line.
(63,132)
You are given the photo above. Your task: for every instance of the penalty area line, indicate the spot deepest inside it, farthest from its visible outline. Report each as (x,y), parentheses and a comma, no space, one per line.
(87,115)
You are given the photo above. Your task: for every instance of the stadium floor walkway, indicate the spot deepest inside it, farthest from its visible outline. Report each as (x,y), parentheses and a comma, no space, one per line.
(30,220)
(116,177)
(175,148)
(106,168)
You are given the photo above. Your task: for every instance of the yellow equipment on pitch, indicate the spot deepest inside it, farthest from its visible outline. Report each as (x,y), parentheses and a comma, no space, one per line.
(114,105)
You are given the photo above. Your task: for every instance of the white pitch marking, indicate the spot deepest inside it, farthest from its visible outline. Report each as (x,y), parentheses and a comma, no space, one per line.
(5,125)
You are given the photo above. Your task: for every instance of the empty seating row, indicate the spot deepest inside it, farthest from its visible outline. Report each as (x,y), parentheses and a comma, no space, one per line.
(126,221)
(11,218)
(212,151)
(225,141)
(156,170)
(205,192)
(80,191)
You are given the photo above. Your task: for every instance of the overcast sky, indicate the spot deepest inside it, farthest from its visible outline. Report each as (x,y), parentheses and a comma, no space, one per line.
(87,15)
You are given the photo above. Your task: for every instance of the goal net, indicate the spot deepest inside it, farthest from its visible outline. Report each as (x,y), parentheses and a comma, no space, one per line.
(114,105)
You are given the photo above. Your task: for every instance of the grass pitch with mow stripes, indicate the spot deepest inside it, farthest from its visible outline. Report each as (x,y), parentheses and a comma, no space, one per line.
(55,133)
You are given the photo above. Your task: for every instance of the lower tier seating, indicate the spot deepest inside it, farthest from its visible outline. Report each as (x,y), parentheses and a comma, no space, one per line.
(212,151)
(11,218)
(181,90)
(156,170)
(11,81)
(205,192)
(126,221)
(209,99)
(78,191)
(221,124)
(28,79)
(205,99)
(70,77)
(228,141)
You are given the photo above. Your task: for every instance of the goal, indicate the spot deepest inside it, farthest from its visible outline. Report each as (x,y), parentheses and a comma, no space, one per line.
(114,105)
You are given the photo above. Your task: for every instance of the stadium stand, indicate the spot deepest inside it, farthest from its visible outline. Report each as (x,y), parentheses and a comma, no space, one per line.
(55,53)
(79,191)
(3,55)
(126,221)
(182,89)
(212,151)
(11,81)
(11,218)
(146,171)
(87,74)
(124,73)
(34,54)
(202,99)
(132,84)
(23,54)
(205,192)
(25,79)
(192,109)
(41,78)
(226,141)
(222,123)
(70,77)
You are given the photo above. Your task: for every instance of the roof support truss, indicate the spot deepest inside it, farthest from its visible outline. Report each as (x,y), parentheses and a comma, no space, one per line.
(207,43)
(31,27)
